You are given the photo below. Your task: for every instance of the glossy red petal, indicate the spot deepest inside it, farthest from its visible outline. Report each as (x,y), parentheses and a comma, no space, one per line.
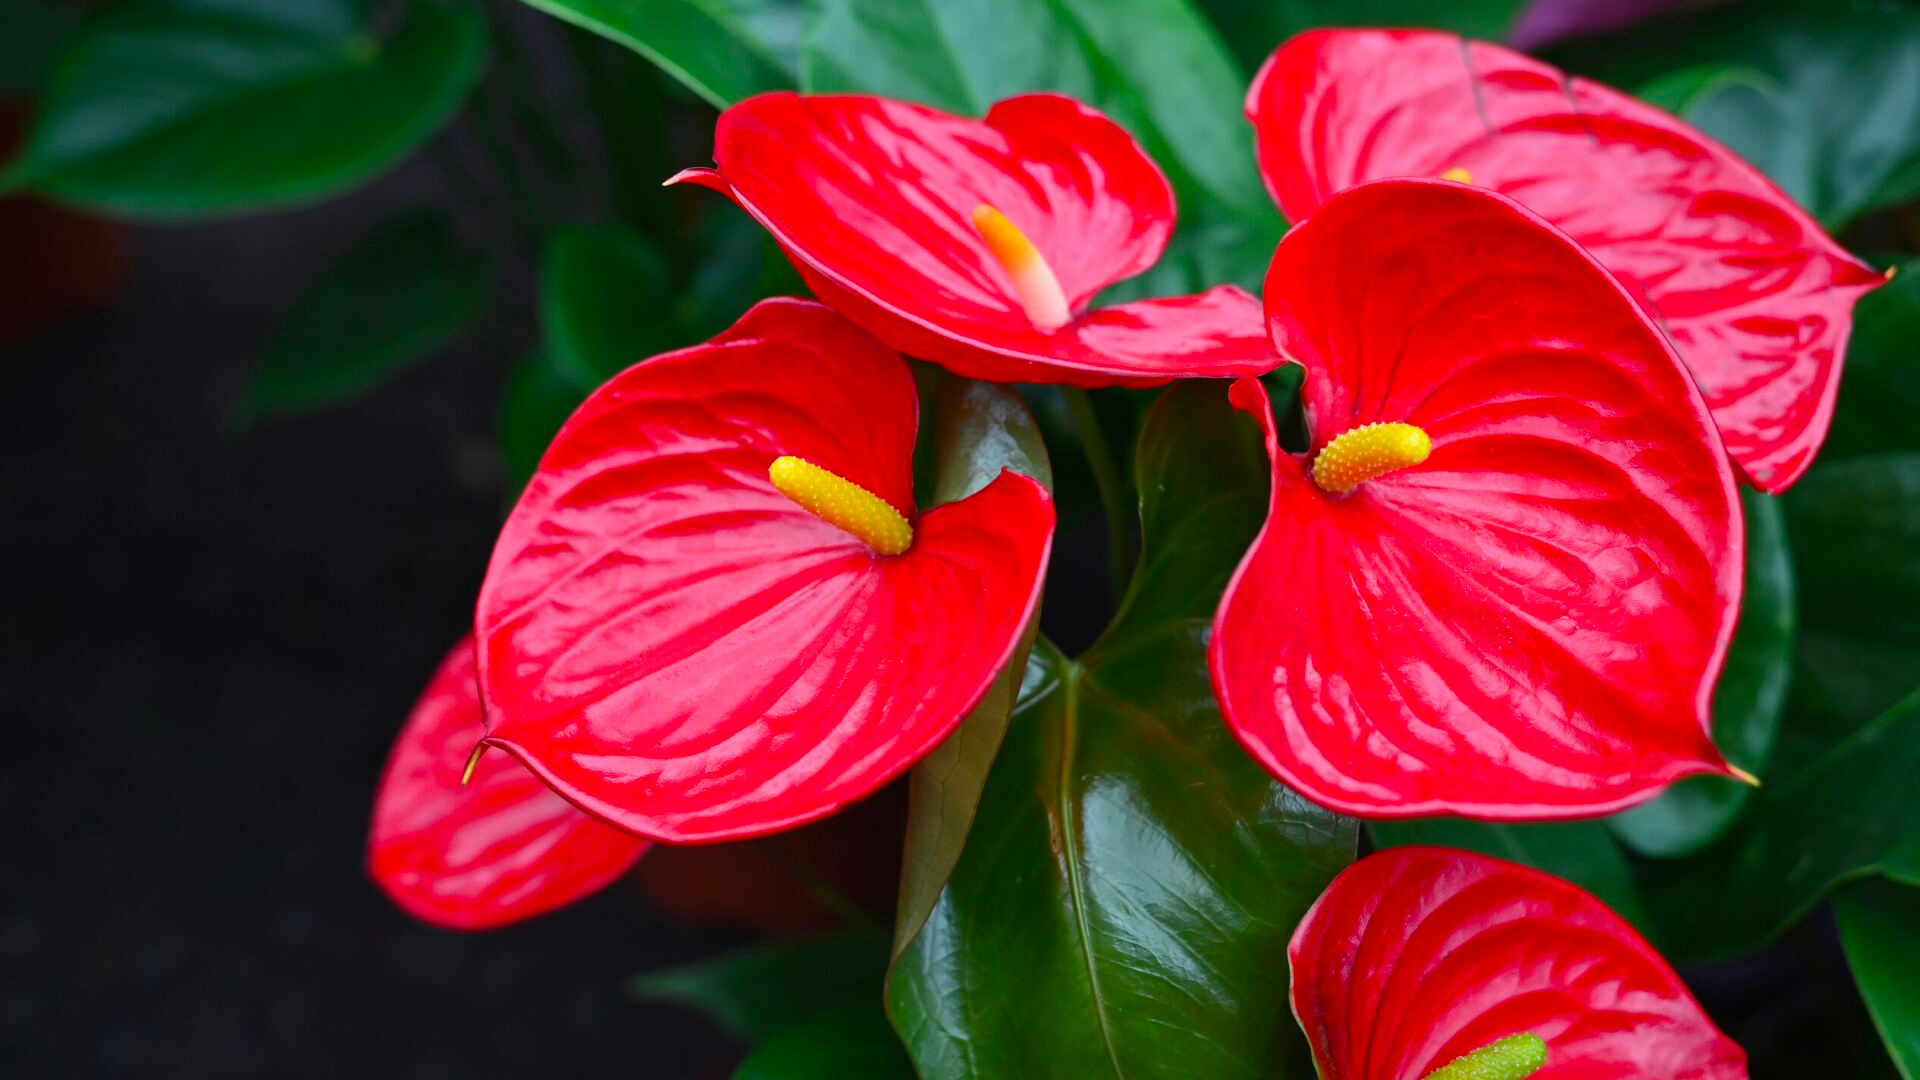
(680,649)
(1528,624)
(1416,956)
(1757,298)
(873,200)
(499,849)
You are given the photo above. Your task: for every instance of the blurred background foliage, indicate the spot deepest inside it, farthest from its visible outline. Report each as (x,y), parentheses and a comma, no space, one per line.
(546,244)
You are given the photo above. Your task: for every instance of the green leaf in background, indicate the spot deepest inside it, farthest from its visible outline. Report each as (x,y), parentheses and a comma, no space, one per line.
(1582,852)
(722,50)
(1155,66)
(537,401)
(1854,527)
(30,34)
(167,108)
(1255,29)
(1879,407)
(757,992)
(1840,128)
(1847,815)
(1880,928)
(1123,903)
(606,302)
(850,1043)
(1746,705)
(978,430)
(401,294)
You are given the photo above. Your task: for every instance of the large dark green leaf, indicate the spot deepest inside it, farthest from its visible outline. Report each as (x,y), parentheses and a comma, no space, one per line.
(537,400)
(1583,852)
(723,50)
(1153,65)
(1255,29)
(1833,113)
(758,992)
(1880,927)
(402,293)
(181,107)
(1845,816)
(1879,406)
(30,33)
(605,302)
(978,430)
(1855,531)
(849,1043)
(1746,705)
(1123,903)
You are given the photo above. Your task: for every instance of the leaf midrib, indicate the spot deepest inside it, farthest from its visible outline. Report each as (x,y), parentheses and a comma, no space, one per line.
(1067,809)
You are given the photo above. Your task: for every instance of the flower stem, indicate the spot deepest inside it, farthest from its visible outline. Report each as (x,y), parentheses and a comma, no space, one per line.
(1113,493)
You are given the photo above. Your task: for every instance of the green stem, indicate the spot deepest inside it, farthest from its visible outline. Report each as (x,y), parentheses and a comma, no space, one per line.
(1113,493)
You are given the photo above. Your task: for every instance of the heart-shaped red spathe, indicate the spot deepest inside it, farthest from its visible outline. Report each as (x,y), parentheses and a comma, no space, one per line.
(1529,623)
(1416,956)
(498,849)
(680,649)
(873,199)
(1757,299)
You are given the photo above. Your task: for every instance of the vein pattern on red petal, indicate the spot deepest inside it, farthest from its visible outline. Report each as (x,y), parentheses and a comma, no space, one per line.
(1527,624)
(499,849)
(683,650)
(1755,296)
(1416,956)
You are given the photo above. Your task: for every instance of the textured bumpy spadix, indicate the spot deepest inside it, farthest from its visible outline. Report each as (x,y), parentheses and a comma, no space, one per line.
(1034,283)
(843,504)
(1515,1057)
(1367,452)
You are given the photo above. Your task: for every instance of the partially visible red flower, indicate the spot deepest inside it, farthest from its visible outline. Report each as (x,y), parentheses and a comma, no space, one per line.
(978,244)
(714,613)
(1416,957)
(500,848)
(1757,298)
(1502,580)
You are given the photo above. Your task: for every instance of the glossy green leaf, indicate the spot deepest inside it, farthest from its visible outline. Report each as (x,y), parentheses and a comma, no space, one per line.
(1675,90)
(1839,128)
(1256,29)
(1746,704)
(1583,852)
(1879,407)
(757,992)
(538,399)
(979,429)
(722,50)
(1153,65)
(605,302)
(1880,928)
(404,292)
(850,1043)
(1847,815)
(168,108)
(1854,527)
(1123,903)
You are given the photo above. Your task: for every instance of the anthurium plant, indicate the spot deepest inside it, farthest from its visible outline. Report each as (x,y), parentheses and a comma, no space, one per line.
(1506,462)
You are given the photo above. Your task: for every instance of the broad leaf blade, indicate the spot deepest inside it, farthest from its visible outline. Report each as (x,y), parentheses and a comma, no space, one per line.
(605,302)
(1254,30)
(402,293)
(1879,408)
(845,1044)
(1746,705)
(1880,927)
(758,992)
(1123,904)
(1845,816)
(170,108)
(722,50)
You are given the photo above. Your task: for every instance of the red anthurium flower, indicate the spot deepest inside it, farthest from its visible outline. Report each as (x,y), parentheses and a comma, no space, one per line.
(1757,299)
(714,613)
(1415,958)
(977,244)
(497,849)
(1502,580)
